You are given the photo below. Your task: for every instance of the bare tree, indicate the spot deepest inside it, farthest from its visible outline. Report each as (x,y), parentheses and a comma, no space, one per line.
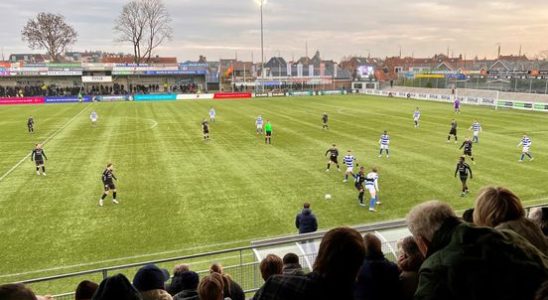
(146,25)
(51,32)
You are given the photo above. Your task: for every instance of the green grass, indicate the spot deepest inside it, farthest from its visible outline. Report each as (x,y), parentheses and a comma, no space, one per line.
(181,195)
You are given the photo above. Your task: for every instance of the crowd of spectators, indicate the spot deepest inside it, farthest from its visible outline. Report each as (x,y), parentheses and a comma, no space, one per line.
(38,91)
(494,252)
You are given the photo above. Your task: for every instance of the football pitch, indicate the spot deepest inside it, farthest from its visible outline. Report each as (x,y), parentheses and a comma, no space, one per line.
(181,195)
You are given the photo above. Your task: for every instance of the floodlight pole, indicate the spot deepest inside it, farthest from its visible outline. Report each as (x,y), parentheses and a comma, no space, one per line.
(262,48)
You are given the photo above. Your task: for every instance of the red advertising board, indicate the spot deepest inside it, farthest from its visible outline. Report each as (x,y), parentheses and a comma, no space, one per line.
(23,100)
(225,96)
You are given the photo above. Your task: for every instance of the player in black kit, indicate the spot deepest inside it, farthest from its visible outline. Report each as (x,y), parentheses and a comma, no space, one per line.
(463,169)
(30,124)
(38,156)
(467,145)
(325,119)
(453,131)
(205,129)
(359,179)
(108,183)
(333,157)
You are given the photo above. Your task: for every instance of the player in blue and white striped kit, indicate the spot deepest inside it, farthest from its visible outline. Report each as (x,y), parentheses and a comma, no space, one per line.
(526,145)
(416,117)
(476,129)
(349,161)
(372,185)
(384,142)
(259,124)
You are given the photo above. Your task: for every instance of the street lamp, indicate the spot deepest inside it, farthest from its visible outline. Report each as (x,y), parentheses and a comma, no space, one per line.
(261,3)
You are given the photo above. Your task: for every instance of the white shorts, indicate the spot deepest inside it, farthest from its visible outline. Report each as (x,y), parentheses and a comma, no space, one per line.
(384,147)
(371,189)
(525,150)
(260,127)
(476,133)
(350,170)
(93,120)
(416,119)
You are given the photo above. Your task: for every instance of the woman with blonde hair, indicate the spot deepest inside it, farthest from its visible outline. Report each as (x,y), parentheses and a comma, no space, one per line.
(500,208)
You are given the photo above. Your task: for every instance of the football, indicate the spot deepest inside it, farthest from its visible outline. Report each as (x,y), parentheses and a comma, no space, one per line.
(327,196)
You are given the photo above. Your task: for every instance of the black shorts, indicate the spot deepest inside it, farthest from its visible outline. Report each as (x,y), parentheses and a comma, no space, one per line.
(206,131)
(463,178)
(269,133)
(39,162)
(468,153)
(359,187)
(453,132)
(334,159)
(109,186)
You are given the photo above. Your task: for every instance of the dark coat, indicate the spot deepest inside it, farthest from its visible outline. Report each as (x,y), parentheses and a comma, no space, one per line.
(473,263)
(293,269)
(306,221)
(378,279)
(187,295)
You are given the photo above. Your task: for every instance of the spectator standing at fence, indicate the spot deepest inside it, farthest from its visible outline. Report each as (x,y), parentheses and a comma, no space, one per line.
(378,278)
(306,222)
(410,260)
(116,287)
(85,290)
(334,273)
(150,282)
(189,281)
(467,262)
(500,208)
(292,265)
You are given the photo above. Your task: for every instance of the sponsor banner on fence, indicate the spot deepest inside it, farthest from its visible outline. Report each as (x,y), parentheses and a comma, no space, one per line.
(155,97)
(96,79)
(277,94)
(260,95)
(302,93)
(113,98)
(68,99)
(22,100)
(194,96)
(335,92)
(232,95)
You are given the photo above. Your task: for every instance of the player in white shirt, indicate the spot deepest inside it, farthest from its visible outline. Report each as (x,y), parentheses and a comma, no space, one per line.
(476,129)
(384,143)
(349,161)
(93,117)
(372,185)
(259,124)
(212,115)
(526,145)
(417,117)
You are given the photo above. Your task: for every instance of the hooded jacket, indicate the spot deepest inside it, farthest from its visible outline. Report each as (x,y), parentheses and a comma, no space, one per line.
(306,221)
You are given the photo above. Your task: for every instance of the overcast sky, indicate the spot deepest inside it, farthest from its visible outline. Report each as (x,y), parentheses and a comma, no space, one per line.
(220,28)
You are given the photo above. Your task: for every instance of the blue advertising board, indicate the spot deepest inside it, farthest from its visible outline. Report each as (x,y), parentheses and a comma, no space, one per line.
(67,99)
(155,97)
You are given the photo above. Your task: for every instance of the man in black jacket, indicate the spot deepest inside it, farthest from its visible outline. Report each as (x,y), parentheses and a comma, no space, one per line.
(306,222)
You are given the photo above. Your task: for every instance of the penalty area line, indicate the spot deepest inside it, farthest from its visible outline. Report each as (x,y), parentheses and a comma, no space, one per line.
(55,133)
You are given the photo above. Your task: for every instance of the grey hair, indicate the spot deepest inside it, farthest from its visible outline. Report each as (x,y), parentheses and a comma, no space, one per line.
(426,218)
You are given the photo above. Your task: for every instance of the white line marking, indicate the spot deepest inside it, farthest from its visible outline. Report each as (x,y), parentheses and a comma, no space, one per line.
(44,142)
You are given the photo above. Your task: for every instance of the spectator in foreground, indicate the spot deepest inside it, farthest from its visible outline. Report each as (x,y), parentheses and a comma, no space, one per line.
(378,277)
(539,216)
(174,286)
(498,207)
(116,287)
(468,216)
(467,262)
(16,291)
(150,282)
(232,290)
(542,293)
(339,259)
(85,290)
(292,265)
(271,265)
(409,261)
(211,287)
(306,222)
(189,285)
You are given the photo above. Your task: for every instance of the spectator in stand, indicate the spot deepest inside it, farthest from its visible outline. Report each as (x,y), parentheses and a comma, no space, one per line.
(335,269)
(212,287)
(409,261)
(150,282)
(468,216)
(271,265)
(292,265)
(306,222)
(85,290)
(116,287)
(232,290)
(498,207)
(16,291)
(378,277)
(542,293)
(468,262)
(189,286)
(176,284)
(539,216)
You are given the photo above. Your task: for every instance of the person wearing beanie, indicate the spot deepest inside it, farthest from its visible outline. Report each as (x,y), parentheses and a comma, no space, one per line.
(150,282)
(188,282)
(116,287)
(85,290)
